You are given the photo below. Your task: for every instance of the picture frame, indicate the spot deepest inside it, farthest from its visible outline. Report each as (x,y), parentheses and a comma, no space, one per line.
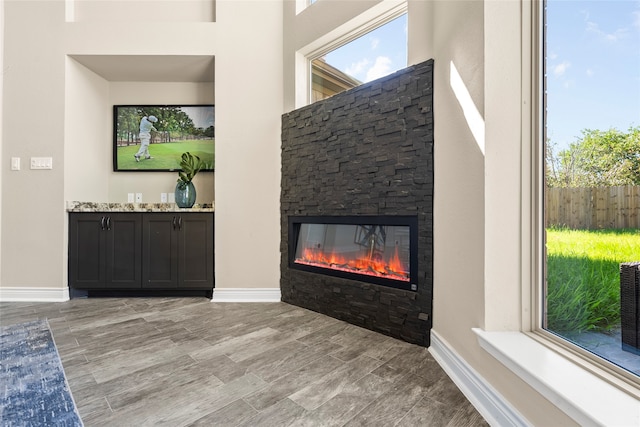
(176,129)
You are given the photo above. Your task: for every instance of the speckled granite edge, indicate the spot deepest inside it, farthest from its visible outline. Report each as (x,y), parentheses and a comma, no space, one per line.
(74,206)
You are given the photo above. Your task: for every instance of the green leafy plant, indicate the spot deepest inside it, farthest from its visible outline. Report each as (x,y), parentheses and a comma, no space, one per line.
(190,165)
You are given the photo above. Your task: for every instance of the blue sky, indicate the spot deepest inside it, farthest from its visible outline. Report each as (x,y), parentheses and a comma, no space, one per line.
(593,67)
(374,55)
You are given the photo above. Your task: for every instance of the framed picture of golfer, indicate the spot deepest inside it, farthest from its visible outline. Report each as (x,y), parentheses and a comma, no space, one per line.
(153,137)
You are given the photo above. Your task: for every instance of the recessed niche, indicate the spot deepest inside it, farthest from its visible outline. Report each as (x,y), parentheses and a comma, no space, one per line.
(151,68)
(137,11)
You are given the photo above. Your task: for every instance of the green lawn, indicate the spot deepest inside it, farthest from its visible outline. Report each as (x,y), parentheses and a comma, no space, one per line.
(583,277)
(166,155)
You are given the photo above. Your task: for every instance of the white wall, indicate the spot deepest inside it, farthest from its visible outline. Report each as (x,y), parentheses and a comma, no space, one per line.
(88,141)
(1,117)
(135,11)
(33,125)
(477,250)
(249,104)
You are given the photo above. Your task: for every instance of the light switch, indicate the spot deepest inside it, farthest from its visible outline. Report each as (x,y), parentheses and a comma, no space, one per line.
(41,163)
(15,163)
(138,197)
(130,197)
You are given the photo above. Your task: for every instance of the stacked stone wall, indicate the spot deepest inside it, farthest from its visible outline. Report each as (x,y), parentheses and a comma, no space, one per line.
(366,151)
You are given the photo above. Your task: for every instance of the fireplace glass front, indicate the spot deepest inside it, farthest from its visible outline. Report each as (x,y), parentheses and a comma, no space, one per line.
(380,249)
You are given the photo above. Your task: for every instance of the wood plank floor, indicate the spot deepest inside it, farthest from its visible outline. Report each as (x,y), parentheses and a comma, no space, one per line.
(191,362)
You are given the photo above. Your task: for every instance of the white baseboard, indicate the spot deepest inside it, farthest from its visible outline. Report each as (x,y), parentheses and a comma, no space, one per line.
(8,294)
(246,295)
(491,405)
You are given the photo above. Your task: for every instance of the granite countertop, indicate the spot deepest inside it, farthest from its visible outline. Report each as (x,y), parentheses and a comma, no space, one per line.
(74,206)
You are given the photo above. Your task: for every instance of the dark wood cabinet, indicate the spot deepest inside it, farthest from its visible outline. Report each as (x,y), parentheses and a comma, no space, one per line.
(105,250)
(178,251)
(144,251)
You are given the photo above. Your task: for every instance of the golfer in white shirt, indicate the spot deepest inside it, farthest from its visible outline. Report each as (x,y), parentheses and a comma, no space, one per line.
(146,126)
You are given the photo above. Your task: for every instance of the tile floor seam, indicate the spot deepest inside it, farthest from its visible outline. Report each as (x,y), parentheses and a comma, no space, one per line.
(409,411)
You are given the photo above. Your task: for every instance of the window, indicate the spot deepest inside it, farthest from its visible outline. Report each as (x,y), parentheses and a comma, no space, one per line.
(378,53)
(591,171)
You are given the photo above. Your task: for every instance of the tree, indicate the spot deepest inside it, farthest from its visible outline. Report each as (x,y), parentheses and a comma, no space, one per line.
(596,159)
(128,122)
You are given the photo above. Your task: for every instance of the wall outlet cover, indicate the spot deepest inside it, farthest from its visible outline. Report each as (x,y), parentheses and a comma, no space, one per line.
(130,197)
(41,163)
(163,197)
(138,197)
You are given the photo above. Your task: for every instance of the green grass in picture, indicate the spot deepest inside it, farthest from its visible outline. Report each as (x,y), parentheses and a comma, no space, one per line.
(166,156)
(583,277)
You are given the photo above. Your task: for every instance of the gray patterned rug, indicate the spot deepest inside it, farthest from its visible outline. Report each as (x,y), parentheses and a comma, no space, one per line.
(33,388)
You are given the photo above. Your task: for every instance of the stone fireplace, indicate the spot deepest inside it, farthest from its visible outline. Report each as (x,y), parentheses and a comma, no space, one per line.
(357,205)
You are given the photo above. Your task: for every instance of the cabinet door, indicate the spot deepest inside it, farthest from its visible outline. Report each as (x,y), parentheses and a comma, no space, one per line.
(86,250)
(123,251)
(160,249)
(195,245)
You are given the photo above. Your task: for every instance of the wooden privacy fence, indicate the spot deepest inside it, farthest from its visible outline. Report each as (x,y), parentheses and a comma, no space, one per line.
(593,208)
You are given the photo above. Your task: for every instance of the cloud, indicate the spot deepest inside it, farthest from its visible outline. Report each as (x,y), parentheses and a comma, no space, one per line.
(636,19)
(586,15)
(374,43)
(381,68)
(560,69)
(357,68)
(590,72)
(613,37)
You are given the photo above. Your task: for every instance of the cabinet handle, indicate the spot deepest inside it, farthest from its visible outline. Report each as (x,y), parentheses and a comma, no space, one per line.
(102,223)
(173,222)
(108,223)
(179,223)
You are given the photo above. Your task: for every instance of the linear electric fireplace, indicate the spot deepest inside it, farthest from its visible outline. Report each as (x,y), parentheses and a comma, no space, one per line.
(374,249)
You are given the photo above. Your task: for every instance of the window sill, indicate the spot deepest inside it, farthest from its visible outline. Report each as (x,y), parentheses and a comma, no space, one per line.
(583,396)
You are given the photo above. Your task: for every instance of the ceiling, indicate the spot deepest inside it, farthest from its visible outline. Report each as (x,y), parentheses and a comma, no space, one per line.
(150,68)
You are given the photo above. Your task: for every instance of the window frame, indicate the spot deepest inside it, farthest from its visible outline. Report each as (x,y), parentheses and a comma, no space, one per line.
(344,34)
(533,233)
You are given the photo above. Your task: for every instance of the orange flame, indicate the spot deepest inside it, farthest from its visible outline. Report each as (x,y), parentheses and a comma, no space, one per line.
(393,268)
(395,264)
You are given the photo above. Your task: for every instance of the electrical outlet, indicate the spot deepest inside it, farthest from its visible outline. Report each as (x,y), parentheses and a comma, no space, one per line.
(172,197)
(130,197)
(138,197)
(163,197)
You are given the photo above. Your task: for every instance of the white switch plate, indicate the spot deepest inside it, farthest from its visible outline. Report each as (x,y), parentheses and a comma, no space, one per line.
(15,163)
(138,197)
(172,197)
(163,197)
(130,197)
(41,163)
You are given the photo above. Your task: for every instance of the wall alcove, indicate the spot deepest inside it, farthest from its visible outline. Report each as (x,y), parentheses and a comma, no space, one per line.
(94,83)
